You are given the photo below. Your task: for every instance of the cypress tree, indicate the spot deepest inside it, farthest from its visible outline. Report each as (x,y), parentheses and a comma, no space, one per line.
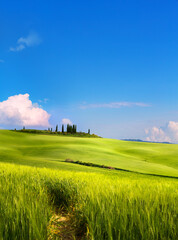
(62,128)
(56,128)
(73,129)
(70,128)
(88,131)
(51,129)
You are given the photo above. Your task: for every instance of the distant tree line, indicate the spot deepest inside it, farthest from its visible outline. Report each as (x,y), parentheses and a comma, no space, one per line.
(70,129)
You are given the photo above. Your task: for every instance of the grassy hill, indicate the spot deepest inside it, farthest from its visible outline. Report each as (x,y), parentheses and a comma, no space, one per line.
(51,151)
(42,197)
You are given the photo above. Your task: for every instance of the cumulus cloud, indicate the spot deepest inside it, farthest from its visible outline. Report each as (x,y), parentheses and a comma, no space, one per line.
(66,121)
(115,105)
(23,42)
(168,133)
(18,110)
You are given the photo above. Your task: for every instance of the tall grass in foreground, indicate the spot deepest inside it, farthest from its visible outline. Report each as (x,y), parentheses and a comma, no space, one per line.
(24,208)
(128,209)
(116,206)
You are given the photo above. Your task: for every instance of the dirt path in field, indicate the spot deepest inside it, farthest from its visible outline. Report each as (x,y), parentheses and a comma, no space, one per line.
(62,227)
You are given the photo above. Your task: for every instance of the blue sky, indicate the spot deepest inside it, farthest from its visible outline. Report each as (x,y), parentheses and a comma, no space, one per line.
(111,66)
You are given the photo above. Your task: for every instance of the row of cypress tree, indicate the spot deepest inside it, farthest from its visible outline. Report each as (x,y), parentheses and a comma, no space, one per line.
(70,128)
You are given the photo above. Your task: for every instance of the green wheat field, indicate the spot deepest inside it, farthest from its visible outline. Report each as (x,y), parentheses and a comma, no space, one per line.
(38,188)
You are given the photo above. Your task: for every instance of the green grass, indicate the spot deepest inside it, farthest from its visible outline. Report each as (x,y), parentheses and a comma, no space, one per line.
(106,204)
(51,151)
(113,206)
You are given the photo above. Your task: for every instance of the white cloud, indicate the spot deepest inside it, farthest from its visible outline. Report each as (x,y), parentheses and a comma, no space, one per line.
(19,110)
(45,100)
(115,105)
(17,49)
(168,133)
(66,121)
(31,40)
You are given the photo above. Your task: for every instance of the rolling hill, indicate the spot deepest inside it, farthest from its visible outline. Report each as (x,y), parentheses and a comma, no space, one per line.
(51,152)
